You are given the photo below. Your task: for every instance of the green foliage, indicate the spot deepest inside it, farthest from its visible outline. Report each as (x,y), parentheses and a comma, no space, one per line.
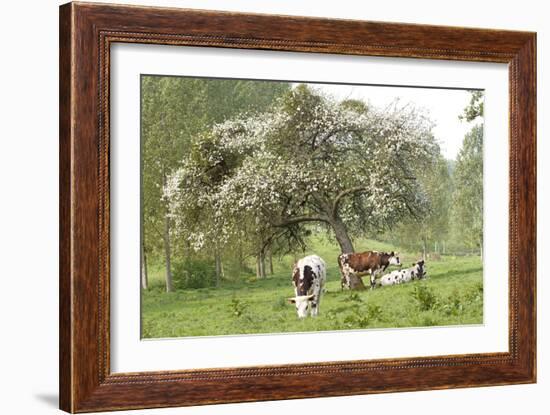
(194,273)
(356,319)
(475,293)
(361,316)
(467,210)
(419,233)
(454,190)
(467,198)
(475,108)
(354,298)
(238,307)
(454,305)
(424,297)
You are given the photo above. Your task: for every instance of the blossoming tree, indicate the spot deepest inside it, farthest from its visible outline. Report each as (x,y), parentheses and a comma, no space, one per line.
(344,166)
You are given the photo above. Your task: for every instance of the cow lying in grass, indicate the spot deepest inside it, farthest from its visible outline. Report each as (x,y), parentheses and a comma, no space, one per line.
(416,272)
(308,278)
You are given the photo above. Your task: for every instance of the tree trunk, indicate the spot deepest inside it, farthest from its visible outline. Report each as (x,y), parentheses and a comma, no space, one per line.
(241,258)
(260,266)
(144,276)
(167,254)
(219,267)
(341,234)
(270,259)
(424,249)
(346,246)
(356,283)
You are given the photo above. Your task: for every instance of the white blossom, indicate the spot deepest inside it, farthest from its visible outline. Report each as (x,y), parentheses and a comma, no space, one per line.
(270,167)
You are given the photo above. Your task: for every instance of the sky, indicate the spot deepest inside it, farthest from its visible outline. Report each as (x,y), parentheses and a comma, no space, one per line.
(442,105)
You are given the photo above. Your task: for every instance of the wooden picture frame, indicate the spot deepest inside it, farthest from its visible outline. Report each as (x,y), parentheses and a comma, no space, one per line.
(86,33)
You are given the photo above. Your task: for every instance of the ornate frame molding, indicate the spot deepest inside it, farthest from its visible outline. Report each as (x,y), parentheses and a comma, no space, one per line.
(86,34)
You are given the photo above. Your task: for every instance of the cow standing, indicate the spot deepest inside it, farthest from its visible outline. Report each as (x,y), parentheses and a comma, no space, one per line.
(354,265)
(308,278)
(416,272)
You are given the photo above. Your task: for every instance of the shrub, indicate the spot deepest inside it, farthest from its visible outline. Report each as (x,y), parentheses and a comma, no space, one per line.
(424,297)
(457,304)
(454,305)
(357,318)
(193,273)
(238,307)
(475,294)
(374,311)
(354,297)
(356,313)
(361,316)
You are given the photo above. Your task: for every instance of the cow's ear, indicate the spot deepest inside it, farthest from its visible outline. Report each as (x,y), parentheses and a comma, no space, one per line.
(291,300)
(414,263)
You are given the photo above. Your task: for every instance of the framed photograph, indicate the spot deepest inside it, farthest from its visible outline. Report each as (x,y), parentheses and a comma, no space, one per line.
(258,207)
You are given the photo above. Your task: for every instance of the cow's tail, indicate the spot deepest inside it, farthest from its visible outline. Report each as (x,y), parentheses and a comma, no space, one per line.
(341,263)
(343,280)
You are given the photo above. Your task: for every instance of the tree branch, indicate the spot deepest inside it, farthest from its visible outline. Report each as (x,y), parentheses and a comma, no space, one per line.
(343,194)
(300,219)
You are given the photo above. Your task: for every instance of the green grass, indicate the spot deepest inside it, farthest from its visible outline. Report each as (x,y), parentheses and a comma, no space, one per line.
(451,295)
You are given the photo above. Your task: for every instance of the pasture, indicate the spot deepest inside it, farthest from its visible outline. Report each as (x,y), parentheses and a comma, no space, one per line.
(452,295)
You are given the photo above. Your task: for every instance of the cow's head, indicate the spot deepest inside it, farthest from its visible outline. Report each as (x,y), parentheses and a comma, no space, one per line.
(420,268)
(302,304)
(394,258)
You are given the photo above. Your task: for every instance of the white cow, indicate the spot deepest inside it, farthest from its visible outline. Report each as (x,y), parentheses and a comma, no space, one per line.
(308,278)
(402,276)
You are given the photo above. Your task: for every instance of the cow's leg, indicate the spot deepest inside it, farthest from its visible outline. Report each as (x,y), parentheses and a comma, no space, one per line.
(345,281)
(315,312)
(345,270)
(373,279)
(316,300)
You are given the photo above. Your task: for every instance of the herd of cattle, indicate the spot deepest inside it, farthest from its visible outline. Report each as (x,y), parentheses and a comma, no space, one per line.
(309,276)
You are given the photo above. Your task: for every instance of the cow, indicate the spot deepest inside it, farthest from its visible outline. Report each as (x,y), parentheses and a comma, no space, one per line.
(416,272)
(354,265)
(308,278)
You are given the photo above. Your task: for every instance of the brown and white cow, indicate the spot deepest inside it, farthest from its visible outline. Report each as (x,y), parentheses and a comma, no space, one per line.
(355,265)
